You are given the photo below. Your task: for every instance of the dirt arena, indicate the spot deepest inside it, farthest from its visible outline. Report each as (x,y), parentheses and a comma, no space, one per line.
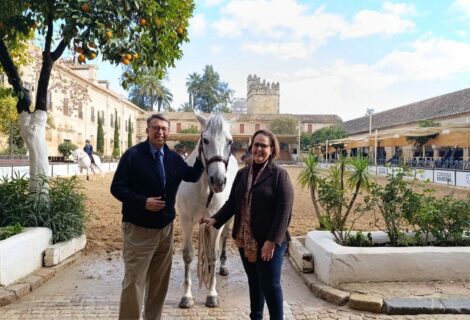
(104,212)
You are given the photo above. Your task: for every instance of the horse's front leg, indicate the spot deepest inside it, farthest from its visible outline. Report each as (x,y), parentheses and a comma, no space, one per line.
(212,299)
(187,300)
(87,176)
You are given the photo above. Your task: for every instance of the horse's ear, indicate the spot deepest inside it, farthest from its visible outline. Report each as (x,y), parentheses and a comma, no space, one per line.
(201,119)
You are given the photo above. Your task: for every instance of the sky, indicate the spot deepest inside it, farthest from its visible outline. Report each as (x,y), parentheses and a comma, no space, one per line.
(330,57)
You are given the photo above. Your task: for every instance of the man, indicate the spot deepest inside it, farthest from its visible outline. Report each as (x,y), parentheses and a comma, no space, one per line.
(146,181)
(88,148)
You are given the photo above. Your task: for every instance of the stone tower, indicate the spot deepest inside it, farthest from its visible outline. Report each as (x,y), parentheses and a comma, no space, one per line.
(262,97)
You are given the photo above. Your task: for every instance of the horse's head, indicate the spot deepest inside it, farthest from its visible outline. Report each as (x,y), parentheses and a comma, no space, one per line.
(215,149)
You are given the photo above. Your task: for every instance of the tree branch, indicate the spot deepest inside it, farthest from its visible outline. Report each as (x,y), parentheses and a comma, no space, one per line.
(24,100)
(59,50)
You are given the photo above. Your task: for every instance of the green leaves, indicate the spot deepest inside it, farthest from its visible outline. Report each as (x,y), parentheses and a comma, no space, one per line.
(63,213)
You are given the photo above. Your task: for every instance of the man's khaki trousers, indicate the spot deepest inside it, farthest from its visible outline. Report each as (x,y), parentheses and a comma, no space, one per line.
(147,257)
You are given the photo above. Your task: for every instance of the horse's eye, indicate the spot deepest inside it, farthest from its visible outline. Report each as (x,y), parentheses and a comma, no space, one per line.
(230,142)
(205,141)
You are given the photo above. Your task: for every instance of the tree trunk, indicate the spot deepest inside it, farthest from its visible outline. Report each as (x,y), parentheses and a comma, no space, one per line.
(33,131)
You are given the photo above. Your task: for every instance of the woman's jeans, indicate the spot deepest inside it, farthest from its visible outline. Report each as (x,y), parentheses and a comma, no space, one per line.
(264,281)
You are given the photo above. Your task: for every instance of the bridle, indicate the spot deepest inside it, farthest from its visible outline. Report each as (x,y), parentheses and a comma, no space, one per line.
(206,162)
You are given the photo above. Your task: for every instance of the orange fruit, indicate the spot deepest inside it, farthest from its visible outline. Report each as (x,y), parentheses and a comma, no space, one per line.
(125,61)
(158,22)
(108,35)
(79,50)
(143,22)
(127,56)
(92,55)
(135,56)
(81,58)
(180,30)
(85,7)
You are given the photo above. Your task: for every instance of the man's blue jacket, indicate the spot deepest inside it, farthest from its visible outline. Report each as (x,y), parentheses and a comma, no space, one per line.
(137,178)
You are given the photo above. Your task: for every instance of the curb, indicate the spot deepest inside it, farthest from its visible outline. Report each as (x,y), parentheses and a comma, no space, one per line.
(377,304)
(21,288)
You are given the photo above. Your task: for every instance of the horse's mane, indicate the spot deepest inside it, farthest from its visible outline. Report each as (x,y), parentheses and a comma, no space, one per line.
(215,124)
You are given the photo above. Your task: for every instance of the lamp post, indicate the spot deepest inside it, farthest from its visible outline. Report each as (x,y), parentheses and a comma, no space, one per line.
(369,112)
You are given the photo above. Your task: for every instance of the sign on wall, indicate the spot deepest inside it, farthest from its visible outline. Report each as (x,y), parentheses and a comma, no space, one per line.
(424,175)
(444,177)
(382,171)
(463,179)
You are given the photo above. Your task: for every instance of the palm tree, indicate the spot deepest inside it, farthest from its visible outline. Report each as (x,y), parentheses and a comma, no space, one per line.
(192,83)
(310,177)
(156,91)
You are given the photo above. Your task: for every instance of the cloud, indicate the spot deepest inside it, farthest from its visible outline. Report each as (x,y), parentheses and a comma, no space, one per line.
(197,25)
(424,61)
(462,6)
(272,25)
(388,22)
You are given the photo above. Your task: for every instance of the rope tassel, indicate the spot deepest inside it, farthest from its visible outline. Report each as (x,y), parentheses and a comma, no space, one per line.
(206,258)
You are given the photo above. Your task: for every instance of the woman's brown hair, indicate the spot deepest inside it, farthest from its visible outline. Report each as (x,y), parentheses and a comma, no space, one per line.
(272,139)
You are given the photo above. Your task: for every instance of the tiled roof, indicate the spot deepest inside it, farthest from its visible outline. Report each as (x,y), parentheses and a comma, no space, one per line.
(254,117)
(450,104)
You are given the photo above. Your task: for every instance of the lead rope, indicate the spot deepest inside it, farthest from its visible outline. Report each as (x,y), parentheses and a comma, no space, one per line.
(206,258)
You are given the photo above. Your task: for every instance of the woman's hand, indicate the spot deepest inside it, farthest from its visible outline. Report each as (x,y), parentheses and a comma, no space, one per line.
(267,251)
(208,221)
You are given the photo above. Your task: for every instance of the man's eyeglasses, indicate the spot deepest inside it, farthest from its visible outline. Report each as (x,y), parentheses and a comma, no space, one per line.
(261,145)
(157,128)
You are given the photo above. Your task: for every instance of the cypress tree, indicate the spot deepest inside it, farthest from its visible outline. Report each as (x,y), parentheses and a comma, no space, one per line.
(100,135)
(116,148)
(129,133)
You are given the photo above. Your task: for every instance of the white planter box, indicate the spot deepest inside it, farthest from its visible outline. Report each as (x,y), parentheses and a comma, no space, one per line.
(22,253)
(335,264)
(58,252)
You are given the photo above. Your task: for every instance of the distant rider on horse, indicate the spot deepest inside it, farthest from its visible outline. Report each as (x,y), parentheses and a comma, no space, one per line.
(88,148)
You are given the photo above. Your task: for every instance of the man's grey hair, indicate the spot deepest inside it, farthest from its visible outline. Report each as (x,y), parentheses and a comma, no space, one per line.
(159,117)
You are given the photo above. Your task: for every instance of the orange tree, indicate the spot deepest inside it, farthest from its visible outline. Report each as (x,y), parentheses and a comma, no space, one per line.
(143,34)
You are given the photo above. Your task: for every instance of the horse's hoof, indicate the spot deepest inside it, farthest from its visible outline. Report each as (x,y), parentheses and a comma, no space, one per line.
(186,303)
(223,271)
(212,301)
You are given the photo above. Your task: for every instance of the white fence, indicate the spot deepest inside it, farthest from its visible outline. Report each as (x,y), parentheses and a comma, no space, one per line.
(440,176)
(55,170)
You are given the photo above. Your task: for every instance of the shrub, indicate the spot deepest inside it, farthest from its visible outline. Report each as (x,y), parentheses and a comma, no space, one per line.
(62,209)
(66,148)
(9,231)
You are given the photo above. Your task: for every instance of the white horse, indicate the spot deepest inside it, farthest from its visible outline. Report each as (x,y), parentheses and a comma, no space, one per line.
(84,162)
(204,198)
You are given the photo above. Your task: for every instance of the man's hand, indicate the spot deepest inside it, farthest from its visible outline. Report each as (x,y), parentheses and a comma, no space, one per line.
(154,204)
(267,251)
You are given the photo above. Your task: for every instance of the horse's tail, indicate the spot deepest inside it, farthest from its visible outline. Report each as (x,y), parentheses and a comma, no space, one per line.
(206,258)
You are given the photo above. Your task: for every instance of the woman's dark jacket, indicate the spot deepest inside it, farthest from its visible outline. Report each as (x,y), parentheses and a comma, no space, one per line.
(271,204)
(137,179)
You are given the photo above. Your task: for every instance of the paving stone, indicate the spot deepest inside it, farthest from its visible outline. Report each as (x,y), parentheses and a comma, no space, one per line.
(34,281)
(6,297)
(20,289)
(334,295)
(456,305)
(413,306)
(46,273)
(365,302)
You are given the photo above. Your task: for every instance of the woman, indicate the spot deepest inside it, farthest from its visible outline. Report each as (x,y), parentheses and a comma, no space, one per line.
(261,200)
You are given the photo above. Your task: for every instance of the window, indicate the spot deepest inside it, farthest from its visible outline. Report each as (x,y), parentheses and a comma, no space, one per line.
(126,125)
(242,128)
(92,115)
(178,127)
(66,107)
(257,127)
(111,120)
(80,112)
(310,128)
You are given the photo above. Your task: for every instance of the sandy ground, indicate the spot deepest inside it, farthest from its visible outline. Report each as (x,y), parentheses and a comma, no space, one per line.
(104,212)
